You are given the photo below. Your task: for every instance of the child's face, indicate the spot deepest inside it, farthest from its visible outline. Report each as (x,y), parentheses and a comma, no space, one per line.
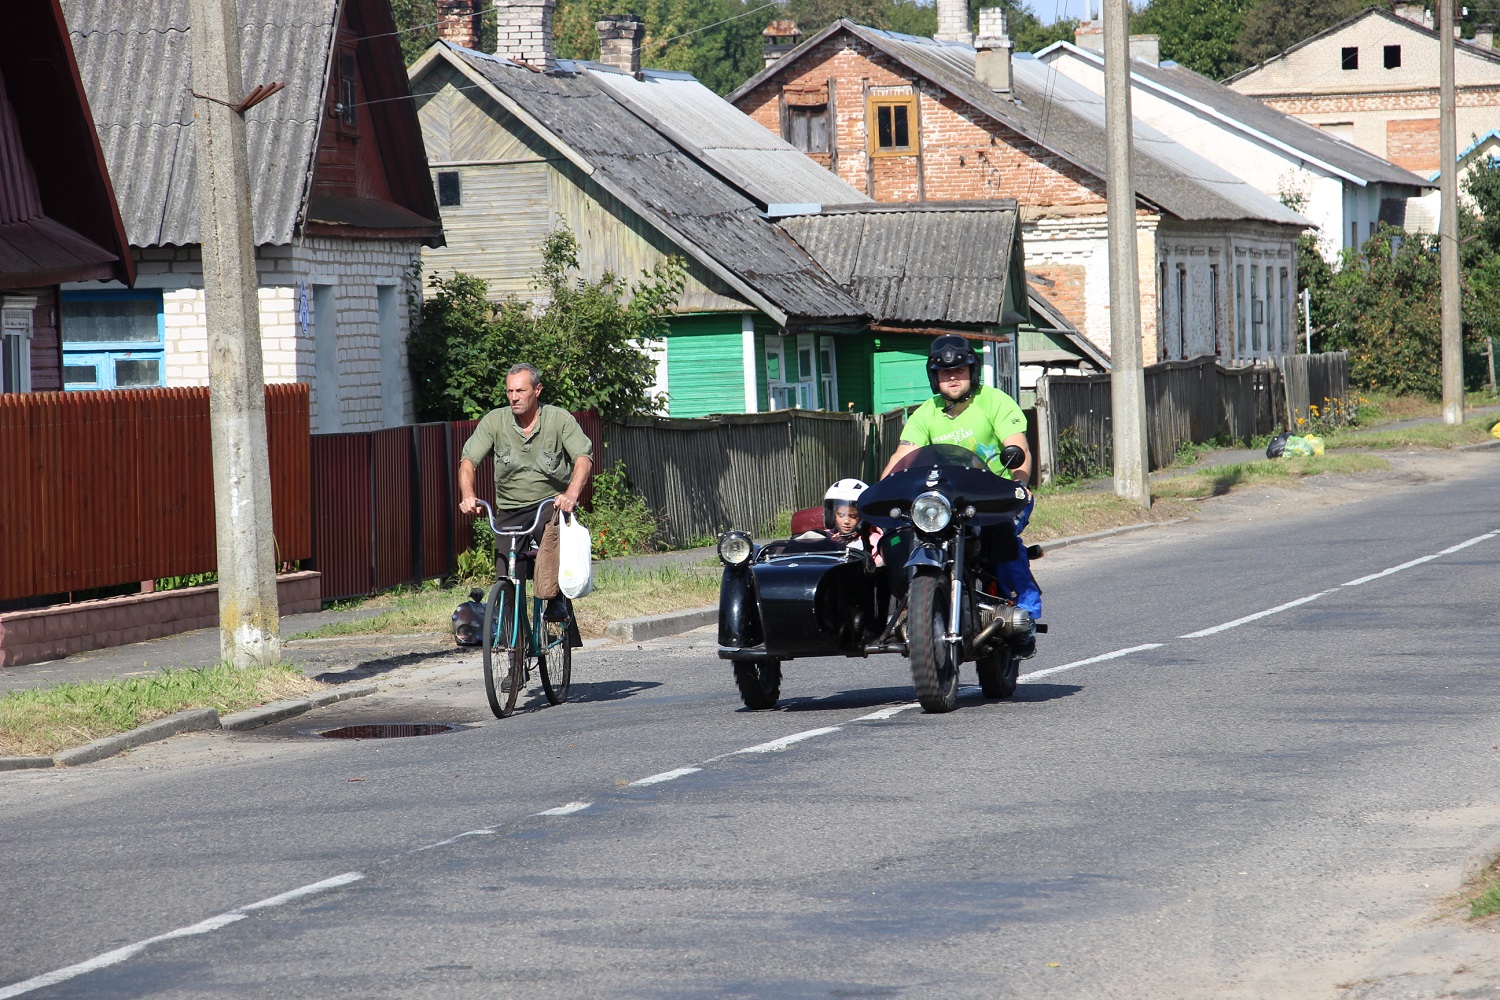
(845,518)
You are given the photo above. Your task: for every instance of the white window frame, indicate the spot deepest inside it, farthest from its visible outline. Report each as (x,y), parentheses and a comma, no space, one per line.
(15,338)
(828,375)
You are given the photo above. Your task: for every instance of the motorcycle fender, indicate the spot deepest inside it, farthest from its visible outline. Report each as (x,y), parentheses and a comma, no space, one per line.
(926,556)
(739,612)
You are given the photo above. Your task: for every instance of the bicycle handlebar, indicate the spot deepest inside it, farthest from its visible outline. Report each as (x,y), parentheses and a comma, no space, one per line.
(515,532)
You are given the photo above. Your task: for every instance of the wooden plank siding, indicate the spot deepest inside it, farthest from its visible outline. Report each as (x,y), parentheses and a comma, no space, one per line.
(706,365)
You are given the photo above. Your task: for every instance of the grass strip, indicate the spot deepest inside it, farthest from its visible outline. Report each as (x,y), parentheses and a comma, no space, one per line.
(1482,891)
(618,593)
(1475,430)
(1075,510)
(46,720)
(1283,471)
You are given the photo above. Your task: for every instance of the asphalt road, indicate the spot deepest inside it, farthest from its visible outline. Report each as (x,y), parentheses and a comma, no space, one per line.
(1278,808)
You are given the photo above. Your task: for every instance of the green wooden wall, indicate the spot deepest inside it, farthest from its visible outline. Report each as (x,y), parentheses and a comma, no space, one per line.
(705,365)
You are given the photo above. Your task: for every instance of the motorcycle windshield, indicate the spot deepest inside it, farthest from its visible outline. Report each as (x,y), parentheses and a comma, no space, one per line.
(940,455)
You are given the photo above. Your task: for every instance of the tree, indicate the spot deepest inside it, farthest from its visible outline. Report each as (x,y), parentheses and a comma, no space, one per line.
(1199,34)
(1273,26)
(589,340)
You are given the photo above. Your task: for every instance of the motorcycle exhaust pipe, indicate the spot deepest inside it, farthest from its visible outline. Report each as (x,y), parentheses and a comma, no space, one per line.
(1010,622)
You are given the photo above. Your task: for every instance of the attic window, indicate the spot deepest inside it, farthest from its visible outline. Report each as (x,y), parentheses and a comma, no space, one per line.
(348,92)
(1351,57)
(806,127)
(892,125)
(1392,57)
(448,190)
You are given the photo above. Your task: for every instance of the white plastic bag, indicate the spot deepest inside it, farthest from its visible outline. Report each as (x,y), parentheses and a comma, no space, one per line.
(575,565)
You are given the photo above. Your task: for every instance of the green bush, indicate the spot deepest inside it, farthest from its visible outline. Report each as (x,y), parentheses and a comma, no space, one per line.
(620,523)
(476,564)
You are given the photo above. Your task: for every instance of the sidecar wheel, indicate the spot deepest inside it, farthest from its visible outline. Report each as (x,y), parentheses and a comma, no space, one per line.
(934,665)
(998,671)
(759,683)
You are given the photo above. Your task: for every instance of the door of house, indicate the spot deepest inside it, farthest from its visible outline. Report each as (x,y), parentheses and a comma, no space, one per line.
(900,379)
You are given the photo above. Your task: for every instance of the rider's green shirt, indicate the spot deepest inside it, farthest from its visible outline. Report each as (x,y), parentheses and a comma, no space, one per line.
(990,418)
(528,469)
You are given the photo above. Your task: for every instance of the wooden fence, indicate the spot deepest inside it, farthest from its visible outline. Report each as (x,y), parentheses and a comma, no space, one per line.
(1316,380)
(1193,401)
(110,488)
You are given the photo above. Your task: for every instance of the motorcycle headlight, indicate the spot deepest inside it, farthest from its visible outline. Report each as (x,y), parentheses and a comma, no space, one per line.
(735,548)
(931,512)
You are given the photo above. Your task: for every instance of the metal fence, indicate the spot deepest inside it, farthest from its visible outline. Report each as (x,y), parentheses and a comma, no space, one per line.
(1316,380)
(111,488)
(1195,401)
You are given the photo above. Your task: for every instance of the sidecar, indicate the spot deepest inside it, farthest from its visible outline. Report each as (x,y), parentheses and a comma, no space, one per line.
(795,598)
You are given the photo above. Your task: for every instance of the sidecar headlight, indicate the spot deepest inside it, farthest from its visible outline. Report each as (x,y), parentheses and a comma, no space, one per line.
(931,512)
(735,548)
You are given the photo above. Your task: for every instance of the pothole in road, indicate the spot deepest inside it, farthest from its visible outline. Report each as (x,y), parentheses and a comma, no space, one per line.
(387,731)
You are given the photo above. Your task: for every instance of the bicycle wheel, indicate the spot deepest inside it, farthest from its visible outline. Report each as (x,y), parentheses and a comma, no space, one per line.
(503,648)
(556,657)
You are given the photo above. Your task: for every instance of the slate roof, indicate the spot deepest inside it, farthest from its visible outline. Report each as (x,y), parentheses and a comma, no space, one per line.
(1248,114)
(927,262)
(135,57)
(718,224)
(1067,119)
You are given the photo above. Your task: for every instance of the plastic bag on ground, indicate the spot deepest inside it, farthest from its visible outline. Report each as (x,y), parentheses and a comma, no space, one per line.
(575,565)
(1273,450)
(1315,442)
(1297,447)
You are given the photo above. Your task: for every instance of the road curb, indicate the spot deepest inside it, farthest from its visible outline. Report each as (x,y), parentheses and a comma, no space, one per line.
(658,626)
(1481,446)
(279,711)
(189,721)
(1062,543)
(22,763)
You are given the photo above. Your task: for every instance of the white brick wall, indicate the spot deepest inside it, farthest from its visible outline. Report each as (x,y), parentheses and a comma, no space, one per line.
(355,269)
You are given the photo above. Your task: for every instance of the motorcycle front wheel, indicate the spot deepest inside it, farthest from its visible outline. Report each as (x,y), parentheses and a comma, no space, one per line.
(934,663)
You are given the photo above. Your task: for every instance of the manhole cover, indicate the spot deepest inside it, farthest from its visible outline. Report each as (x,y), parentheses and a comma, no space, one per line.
(387,731)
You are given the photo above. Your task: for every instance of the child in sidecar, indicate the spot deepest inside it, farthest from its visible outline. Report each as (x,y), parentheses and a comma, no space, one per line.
(841,520)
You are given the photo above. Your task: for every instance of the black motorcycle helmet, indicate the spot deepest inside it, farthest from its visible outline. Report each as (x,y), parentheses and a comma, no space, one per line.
(951,351)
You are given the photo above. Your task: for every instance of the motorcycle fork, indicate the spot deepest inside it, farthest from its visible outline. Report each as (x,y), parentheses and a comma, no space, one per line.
(955,634)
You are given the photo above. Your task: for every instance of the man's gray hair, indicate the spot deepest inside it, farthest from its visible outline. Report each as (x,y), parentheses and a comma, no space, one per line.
(530,369)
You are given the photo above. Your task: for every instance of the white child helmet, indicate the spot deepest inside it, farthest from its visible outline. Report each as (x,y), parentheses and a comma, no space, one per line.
(843,493)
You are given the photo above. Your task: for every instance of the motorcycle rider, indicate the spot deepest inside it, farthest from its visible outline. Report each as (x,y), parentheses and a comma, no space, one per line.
(983,420)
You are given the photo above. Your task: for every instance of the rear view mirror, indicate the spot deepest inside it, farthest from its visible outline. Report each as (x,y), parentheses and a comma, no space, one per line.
(1012,457)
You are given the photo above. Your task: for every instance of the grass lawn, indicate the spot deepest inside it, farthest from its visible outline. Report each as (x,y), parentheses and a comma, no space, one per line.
(1472,431)
(618,593)
(1221,479)
(1378,408)
(42,722)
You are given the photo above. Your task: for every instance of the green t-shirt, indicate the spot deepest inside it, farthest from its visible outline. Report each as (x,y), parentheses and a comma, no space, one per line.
(528,470)
(990,418)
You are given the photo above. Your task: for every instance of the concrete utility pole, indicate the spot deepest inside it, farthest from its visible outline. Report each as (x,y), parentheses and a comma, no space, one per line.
(1453,343)
(249,629)
(1127,381)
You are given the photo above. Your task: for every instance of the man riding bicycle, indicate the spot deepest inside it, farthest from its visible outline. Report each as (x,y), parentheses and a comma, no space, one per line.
(540,454)
(983,420)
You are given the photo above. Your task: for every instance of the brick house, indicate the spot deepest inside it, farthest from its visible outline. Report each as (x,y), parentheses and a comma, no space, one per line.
(1372,79)
(341,200)
(951,118)
(1345,190)
(58,219)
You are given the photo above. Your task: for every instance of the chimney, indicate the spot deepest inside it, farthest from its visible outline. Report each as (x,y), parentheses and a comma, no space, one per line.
(620,41)
(992,51)
(1089,35)
(458,22)
(781,37)
(1411,12)
(523,32)
(953,22)
(1146,48)
(1484,36)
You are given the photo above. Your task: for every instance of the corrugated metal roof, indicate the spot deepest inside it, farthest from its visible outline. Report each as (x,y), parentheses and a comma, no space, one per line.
(917,263)
(708,216)
(136,63)
(1067,119)
(757,160)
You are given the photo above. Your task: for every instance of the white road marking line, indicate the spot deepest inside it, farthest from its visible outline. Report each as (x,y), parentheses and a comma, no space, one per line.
(888,713)
(657,779)
(571,807)
(1092,659)
(1255,617)
(785,741)
(119,955)
(1419,561)
(454,839)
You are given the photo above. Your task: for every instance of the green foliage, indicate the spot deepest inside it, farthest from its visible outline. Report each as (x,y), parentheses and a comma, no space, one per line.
(721,57)
(1273,26)
(1075,461)
(1200,34)
(588,340)
(476,564)
(190,580)
(620,523)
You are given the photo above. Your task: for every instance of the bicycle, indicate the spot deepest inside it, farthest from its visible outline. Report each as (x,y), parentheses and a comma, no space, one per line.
(523,639)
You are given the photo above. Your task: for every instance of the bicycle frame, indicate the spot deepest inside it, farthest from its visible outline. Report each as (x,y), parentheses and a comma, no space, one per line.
(535,626)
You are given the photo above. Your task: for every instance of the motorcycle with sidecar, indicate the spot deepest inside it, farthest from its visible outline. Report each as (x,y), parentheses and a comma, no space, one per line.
(935,599)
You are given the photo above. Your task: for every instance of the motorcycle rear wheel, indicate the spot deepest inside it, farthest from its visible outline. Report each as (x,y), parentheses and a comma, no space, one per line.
(934,663)
(999,670)
(759,684)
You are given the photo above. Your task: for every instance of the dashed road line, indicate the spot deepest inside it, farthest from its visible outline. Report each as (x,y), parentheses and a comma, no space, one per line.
(1116,654)
(1423,559)
(888,713)
(1255,617)
(657,779)
(454,839)
(566,810)
(785,741)
(208,926)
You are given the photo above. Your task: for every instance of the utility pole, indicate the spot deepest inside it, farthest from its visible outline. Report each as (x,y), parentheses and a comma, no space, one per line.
(1453,343)
(1127,380)
(249,629)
